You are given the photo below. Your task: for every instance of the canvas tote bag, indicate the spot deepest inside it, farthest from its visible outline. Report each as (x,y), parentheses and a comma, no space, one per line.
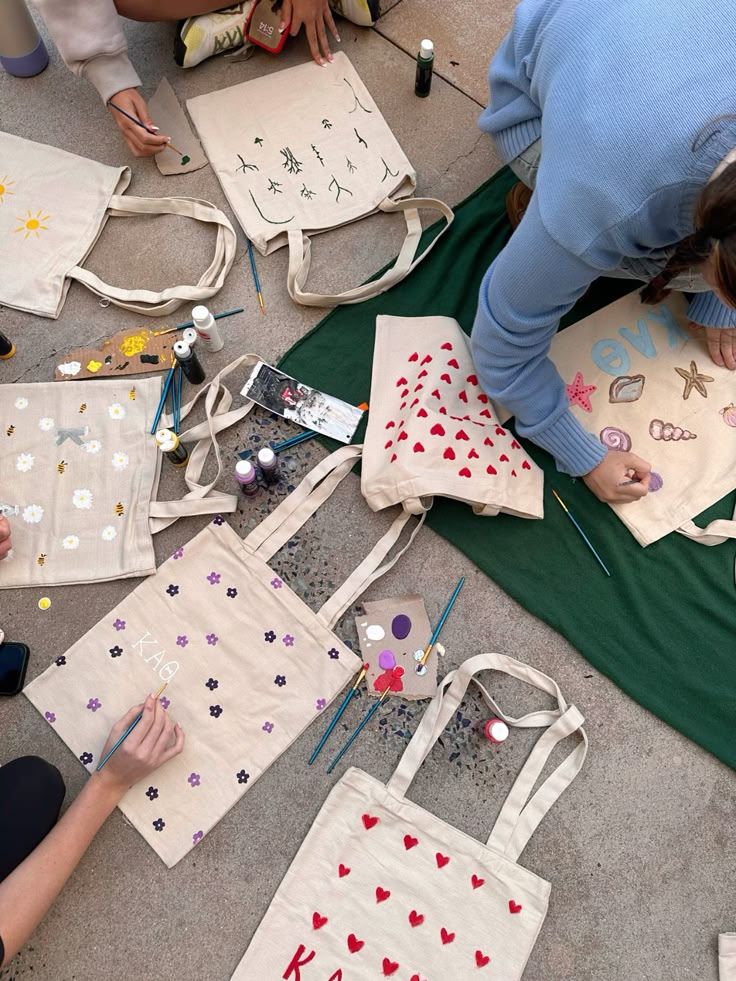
(302,151)
(249,665)
(637,379)
(53,207)
(382,888)
(433,431)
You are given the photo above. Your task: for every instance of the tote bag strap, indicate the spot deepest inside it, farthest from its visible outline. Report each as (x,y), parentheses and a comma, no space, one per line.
(518,817)
(716,533)
(159,303)
(300,256)
(202,498)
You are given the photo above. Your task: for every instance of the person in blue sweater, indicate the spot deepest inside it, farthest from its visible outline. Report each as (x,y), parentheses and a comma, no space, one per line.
(620,118)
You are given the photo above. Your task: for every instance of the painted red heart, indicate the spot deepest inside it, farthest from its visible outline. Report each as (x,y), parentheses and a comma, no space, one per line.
(442,860)
(438,429)
(415,402)
(354,945)
(414,357)
(472,455)
(500,431)
(463,397)
(389,967)
(472,379)
(486,413)
(488,441)
(526,465)
(402,406)
(426,359)
(476,881)
(515,445)
(465,417)
(422,413)
(402,422)
(449,454)
(461,434)
(404,393)
(318,921)
(410,842)
(491,470)
(453,363)
(446,936)
(419,387)
(481,959)
(443,410)
(423,373)
(402,435)
(446,378)
(446,346)
(418,448)
(415,977)
(514,907)
(416,919)
(369,821)
(390,424)
(401,381)
(464,472)
(389,444)
(393,458)
(513,473)
(483,398)
(503,458)
(382,894)
(436,393)
(343,870)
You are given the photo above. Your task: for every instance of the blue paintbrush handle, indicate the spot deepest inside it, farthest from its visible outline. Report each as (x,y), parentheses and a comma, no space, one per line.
(162,403)
(366,719)
(331,726)
(446,613)
(121,740)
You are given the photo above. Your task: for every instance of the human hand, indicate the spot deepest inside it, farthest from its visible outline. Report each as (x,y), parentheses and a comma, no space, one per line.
(5,542)
(313,15)
(141,142)
(608,480)
(721,343)
(154,741)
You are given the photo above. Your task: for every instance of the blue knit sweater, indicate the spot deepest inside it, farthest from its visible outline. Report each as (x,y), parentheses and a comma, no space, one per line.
(626,97)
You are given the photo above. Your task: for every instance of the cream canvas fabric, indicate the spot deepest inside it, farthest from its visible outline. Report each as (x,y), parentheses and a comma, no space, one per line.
(382,888)
(249,665)
(304,150)
(53,206)
(727,957)
(433,431)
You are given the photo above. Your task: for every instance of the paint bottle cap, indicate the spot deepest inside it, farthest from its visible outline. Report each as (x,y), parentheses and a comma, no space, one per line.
(496,730)
(182,349)
(426,49)
(266,456)
(189,336)
(201,316)
(244,470)
(166,440)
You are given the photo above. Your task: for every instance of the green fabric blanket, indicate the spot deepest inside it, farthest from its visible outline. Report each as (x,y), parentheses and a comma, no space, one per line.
(663,627)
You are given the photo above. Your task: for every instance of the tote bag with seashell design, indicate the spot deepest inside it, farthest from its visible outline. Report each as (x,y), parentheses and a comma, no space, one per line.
(381,888)
(640,381)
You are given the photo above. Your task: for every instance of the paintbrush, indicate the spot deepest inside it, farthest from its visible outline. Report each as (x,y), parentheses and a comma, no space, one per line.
(582,533)
(190,323)
(134,119)
(366,719)
(128,731)
(423,656)
(336,717)
(162,401)
(256,278)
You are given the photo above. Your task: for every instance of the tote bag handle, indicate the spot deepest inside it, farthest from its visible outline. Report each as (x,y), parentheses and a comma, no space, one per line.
(520,814)
(407,259)
(159,303)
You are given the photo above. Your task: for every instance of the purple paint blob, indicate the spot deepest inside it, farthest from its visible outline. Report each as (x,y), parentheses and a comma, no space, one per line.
(655,482)
(386,660)
(401,626)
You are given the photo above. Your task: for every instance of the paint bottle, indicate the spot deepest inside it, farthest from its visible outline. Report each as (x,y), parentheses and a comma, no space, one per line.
(7,348)
(425,65)
(171,447)
(190,363)
(246,476)
(496,731)
(268,465)
(22,52)
(207,329)
(189,336)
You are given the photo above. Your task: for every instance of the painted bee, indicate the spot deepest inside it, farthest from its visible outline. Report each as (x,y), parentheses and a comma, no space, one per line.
(10,430)
(131,394)
(41,559)
(119,510)
(61,466)
(82,408)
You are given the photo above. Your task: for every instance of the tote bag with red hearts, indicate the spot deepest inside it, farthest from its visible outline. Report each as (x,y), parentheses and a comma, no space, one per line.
(382,888)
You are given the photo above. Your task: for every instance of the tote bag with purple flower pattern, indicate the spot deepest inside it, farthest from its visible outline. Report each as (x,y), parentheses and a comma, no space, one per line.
(248,664)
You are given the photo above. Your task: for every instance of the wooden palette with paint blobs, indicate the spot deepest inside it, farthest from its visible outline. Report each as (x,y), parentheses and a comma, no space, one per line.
(129,352)
(389,632)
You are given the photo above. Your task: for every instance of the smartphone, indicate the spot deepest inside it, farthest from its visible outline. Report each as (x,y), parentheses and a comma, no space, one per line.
(262,27)
(13,663)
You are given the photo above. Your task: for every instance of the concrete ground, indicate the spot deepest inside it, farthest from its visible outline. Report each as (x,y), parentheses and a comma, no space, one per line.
(640,850)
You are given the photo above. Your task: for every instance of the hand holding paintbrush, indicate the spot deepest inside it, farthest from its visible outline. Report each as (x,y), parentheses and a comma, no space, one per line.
(143,138)
(145,733)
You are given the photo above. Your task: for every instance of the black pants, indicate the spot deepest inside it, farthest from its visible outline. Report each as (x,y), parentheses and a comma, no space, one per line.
(31,795)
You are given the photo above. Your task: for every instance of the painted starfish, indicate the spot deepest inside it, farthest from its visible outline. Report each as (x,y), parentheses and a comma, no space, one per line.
(694,380)
(578,393)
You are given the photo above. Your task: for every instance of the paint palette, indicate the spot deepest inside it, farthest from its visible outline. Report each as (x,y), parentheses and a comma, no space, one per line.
(129,352)
(389,632)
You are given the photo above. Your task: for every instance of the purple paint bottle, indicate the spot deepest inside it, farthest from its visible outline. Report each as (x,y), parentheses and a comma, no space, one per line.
(268,465)
(245,474)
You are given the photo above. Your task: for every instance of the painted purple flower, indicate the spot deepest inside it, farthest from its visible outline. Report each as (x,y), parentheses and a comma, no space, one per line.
(320,704)
(116,651)
(172,589)
(212,683)
(213,578)
(231,592)
(165,702)
(267,727)
(50,717)
(178,553)
(60,661)
(182,640)
(242,776)
(280,680)
(93,704)
(269,636)
(333,653)
(288,640)
(197,837)
(86,758)
(193,780)
(152,793)
(159,824)
(212,639)
(277,583)
(218,520)
(215,711)
(119,624)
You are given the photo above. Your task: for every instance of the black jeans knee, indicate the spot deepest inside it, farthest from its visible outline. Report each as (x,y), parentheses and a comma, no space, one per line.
(31,794)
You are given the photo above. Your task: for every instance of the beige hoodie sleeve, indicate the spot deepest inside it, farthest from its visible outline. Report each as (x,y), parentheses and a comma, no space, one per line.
(90,39)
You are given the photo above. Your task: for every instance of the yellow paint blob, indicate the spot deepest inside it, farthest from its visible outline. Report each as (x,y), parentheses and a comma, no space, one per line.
(94,366)
(44,603)
(135,343)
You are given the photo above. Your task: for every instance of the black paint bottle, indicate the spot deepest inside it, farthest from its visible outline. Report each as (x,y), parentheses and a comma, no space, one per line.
(190,363)
(425,65)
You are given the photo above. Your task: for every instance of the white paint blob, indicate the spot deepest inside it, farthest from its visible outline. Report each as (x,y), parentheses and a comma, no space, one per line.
(375,632)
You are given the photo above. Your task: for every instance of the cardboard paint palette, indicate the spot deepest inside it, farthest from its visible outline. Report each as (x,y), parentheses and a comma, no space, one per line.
(389,632)
(129,352)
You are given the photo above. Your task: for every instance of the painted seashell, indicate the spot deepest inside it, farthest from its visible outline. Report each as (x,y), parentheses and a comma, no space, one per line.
(668,432)
(626,388)
(615,439)
(729,414)
(655,482)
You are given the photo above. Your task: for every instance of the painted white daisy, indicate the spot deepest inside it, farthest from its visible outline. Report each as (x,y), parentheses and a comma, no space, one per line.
(25,462)
(46,424)
(116,411)
(70,543)
(120,460)
(33,514)
(21,403)
(82,499)
(93,446)
(108,533)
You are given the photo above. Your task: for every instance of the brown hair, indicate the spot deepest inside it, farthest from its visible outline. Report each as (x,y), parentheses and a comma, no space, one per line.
(714,237)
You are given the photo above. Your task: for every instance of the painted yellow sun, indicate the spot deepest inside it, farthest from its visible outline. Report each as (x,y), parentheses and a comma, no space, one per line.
(5,185)
(33,224)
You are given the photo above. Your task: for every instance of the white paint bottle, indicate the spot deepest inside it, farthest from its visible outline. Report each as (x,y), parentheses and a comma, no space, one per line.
(207,329)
